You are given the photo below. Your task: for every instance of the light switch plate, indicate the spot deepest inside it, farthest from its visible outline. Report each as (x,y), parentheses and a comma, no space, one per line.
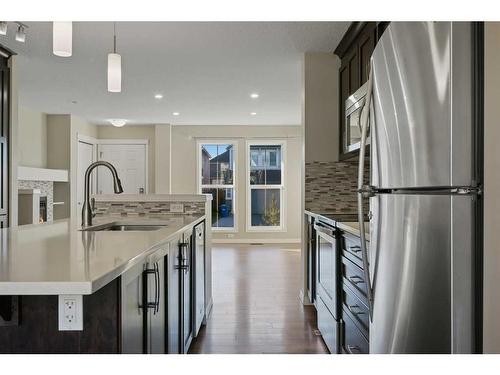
(177,207)
(70,312)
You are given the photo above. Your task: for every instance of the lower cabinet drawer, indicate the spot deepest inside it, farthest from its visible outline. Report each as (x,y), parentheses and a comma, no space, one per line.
(354,342)
(359,311)
(354,277)
(328,326)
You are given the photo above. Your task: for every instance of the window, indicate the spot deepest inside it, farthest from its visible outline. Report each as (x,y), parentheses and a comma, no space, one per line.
(265,186)
(216,177)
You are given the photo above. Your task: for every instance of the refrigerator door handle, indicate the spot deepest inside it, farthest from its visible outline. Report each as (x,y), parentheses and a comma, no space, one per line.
(362,188)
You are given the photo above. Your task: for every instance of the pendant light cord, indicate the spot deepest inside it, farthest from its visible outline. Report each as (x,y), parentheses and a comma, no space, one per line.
(114,37)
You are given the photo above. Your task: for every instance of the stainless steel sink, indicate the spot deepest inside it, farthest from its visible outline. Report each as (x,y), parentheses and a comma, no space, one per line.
(126,227)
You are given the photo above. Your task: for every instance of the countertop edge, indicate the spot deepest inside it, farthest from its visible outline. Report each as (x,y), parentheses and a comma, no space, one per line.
(19,288)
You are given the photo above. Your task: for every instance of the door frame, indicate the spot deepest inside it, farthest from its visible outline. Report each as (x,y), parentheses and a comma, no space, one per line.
(124,142)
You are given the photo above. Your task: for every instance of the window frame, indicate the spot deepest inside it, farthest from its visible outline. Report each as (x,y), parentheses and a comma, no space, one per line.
(199,178)
(281,187)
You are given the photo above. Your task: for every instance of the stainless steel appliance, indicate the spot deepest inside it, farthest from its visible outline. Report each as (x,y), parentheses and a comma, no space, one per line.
(351,138)
(424,188)
(327,275)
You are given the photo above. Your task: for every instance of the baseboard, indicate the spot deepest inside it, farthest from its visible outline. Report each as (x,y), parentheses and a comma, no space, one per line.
(256,240)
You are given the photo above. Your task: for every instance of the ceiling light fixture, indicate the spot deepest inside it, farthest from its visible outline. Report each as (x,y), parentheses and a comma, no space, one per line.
(21,32)
(114,67)
(254,95)
(176,113)
(118,122)
(158,96)
(3,28)
(253,113)
(62,38)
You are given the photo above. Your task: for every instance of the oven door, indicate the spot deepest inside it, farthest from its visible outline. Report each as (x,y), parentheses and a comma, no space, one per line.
(327,272)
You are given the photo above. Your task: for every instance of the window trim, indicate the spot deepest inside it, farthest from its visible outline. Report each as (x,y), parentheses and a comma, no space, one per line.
(199,178)
(281,187)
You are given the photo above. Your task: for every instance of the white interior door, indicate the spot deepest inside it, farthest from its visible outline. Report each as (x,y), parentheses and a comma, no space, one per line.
(130,161)
(85,158)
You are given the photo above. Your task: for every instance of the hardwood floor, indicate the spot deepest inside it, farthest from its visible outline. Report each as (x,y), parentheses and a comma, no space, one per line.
(256,303)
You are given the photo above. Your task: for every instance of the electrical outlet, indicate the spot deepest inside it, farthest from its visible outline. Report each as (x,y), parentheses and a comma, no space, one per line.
(177,207)
(70,313)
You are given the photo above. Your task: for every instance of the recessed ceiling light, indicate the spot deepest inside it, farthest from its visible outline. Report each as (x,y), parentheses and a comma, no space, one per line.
(254,95)
(253,113)
(158,96)
(118,122)
(176,113)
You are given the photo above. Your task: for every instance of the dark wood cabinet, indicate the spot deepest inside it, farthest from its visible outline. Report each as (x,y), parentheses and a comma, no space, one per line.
(355,50)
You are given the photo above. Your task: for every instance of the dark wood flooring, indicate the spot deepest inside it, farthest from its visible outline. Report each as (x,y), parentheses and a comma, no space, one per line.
(256,304)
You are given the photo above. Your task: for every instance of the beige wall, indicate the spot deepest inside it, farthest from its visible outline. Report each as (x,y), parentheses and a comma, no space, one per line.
(163,134)
(321,106)
(491,329)
(184,168)
(59,157)
(32,133)
(134,132)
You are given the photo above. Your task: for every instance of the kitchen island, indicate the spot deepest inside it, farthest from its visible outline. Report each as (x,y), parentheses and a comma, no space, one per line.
(126,291)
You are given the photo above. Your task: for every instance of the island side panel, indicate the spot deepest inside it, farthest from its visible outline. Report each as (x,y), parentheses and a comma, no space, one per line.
(38,332)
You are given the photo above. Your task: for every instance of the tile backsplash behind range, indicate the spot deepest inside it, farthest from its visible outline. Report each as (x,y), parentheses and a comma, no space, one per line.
(142,209)
(330,187)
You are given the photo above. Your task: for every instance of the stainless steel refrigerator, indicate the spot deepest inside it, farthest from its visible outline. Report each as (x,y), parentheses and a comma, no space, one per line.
(424,127)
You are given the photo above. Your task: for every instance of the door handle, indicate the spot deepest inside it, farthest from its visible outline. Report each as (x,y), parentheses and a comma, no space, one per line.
(356,279)
(355,249)
(151,305)
(361,194)
(351,309)
(351,348)
(157,288)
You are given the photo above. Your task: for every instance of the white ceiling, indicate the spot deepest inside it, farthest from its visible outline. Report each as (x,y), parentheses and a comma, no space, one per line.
(205,70)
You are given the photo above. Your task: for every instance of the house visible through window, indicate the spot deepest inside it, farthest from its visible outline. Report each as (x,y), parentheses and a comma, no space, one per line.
(265,185)
(217,178)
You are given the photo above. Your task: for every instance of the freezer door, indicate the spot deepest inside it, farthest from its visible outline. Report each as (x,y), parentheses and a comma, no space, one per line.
(420,118)
(420,262)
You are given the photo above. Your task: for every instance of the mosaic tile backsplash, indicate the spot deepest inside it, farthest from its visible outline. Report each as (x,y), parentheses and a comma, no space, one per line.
(331,187)
(143,209)
(46,189)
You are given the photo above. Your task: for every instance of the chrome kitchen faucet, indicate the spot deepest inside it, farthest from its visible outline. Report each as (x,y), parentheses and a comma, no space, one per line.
(88,208)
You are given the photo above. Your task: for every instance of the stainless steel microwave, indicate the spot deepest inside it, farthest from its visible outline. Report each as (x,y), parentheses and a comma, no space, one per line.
(354,104)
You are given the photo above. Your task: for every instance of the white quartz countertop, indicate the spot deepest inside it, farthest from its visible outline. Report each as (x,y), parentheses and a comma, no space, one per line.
(58,258)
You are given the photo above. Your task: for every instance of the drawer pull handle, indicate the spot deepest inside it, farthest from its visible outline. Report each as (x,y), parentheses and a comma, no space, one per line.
(352,348)
(356,279)
(355,249)
(352,307)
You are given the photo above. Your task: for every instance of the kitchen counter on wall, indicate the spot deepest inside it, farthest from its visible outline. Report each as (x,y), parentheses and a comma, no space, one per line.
(344,221)
(58,258)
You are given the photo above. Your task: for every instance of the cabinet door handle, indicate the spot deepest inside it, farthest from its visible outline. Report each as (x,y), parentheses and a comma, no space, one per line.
(355,249)
(157,288)
(150,305)
(356,279)
(352,348)
(351,309)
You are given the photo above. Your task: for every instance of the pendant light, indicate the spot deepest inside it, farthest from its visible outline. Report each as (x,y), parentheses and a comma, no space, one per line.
(114,67)
(62,38)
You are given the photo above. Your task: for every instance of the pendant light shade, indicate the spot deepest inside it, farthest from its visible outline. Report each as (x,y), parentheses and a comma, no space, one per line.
(114,72)
(114,67)
(62,38)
